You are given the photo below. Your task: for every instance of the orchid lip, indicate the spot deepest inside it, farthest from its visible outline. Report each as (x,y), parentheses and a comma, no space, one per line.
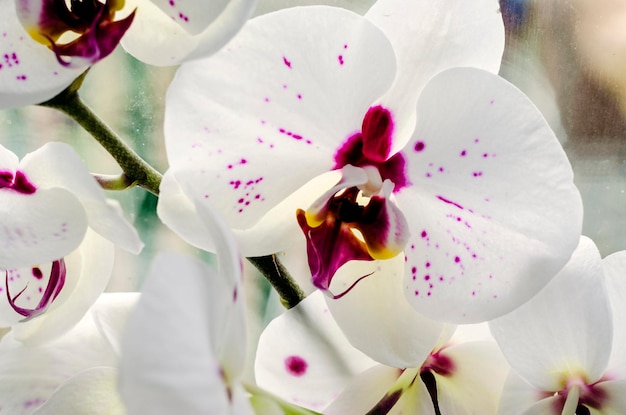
(53,288)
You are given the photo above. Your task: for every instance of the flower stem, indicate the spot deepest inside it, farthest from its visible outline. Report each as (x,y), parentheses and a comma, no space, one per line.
(278,276)
(136,170)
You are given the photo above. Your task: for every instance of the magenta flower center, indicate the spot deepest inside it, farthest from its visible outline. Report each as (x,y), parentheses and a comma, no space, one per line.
(92,22)
(358,222)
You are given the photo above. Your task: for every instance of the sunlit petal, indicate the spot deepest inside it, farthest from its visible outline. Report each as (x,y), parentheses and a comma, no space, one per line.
(492,208)
(223,130)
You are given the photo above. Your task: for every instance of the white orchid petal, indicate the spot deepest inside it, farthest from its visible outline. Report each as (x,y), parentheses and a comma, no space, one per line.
(565,330)
(497,211)
(174,340)
(475,383)
(357,6)
(40,227)
(519,397)
(615,273)
(93,392)
(29,71)
(56,165)
(29,375)
(368,315)
(192,15)
(277,101)
(157,38)
(458,34)
(304,358)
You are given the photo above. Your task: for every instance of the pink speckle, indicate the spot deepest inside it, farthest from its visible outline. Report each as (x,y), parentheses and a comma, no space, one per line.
(287,64)
(485,155)
(476,141)
(345,46)
(296,365)
(492,101)
(266,99)
(299,96)
(183,17)
(477,173)
(340,59)
(419,146)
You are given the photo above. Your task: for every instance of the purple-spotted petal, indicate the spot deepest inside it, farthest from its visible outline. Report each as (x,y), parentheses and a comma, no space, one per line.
(492,208)
(279,101)
(304,358)
(29,71)
(458,34)
(40,227)
(192,15)
(368,314)
(179,351)
(56,165)
(563,332)
(182,30)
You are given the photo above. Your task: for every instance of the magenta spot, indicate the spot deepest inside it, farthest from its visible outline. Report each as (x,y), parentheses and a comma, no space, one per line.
(427,265)
(443,199)
(299,96)
(340,59)
(345,46)
(419,146)
(426,277)
(243,161)
(37,273)
(485,155)
(267,99)
(414,270)
(424,234)
(288,64)
(457,259)
(296,365)
(463,153)
(476,140)
(172,3)
(477,173)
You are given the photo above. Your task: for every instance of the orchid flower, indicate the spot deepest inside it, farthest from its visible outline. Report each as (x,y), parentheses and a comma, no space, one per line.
(358,141)
(74,374)
(304,358)
(37,61)
(46,44)
(566,345)
(58,235)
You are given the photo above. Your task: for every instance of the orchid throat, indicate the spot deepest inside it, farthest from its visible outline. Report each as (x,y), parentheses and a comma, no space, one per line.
(357,220)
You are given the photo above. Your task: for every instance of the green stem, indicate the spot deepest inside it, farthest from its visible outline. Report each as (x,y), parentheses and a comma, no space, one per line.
(278,276)
(136,170)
